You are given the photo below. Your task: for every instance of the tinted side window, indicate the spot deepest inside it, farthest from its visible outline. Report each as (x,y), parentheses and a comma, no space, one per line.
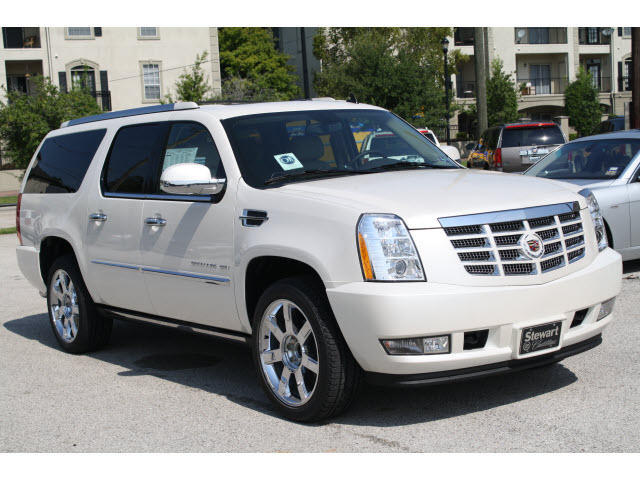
(135,153)
(191,142)
(62,162)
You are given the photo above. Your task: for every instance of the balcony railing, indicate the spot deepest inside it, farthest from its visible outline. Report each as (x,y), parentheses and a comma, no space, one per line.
(465,89)
(594,35)
(463,36)
(603,84)
(542,86)
(21,37)
(540,35)
(624,83)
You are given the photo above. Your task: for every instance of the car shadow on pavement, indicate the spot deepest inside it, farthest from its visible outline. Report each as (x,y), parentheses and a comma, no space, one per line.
(631,266)
(226,369)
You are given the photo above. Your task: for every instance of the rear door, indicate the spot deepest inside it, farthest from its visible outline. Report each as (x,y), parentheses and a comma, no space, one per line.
(187,240)
(114,223)
(523,145)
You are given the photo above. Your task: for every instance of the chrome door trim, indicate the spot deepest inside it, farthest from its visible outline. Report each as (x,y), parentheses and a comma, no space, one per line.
(208,278)
(112,264)
(184,274)
(509,215)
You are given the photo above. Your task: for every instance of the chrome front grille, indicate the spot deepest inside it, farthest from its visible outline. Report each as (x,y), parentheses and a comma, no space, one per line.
(504,243)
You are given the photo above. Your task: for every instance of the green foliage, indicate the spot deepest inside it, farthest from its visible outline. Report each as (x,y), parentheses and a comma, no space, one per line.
(582,104)
(193,84)
(401,69)
(26,119)
(502,96)
(242,89)
(249,58)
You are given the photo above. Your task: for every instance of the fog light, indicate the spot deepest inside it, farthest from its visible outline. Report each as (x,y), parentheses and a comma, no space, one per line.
(417,346)
(606,308)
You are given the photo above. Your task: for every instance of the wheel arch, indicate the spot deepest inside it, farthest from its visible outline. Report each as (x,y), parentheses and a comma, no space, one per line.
(53,247)
(265,270)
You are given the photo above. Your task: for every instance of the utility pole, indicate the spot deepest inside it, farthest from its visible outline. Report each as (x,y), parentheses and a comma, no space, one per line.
(635,77)
(480,61)
(305,64)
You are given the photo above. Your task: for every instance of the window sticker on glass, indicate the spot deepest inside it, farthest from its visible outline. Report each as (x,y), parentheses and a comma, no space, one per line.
(287,161)
(174,156)
(612,171)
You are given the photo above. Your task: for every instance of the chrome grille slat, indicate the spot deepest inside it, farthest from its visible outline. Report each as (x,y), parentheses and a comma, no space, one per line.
(495,249)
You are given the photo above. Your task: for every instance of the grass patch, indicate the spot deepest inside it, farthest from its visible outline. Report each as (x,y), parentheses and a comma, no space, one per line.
(6,231)
(4,200)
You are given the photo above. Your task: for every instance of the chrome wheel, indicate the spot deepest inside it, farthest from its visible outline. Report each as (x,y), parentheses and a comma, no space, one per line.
(288,353)
(63,301)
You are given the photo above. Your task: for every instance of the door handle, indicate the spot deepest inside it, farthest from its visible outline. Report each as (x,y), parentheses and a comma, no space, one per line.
(98,217)
(155,221)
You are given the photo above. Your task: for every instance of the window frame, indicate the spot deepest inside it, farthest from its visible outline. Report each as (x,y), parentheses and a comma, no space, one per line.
(142,63)
(69,36)
(148,37)
(157,169)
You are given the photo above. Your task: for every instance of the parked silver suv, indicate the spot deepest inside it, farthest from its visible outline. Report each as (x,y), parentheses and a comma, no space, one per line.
(516,146)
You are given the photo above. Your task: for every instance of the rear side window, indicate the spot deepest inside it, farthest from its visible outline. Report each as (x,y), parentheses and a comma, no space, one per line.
(531,136)
(135,154)
(62,162)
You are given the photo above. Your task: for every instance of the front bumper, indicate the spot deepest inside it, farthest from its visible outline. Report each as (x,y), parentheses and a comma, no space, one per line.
(368,312)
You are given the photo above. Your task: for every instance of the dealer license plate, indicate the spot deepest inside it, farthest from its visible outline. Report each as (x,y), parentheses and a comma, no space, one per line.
(531,159)
(540,337)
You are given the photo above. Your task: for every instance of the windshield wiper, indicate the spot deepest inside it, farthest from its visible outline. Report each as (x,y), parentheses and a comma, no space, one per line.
(312,173)
(407,165)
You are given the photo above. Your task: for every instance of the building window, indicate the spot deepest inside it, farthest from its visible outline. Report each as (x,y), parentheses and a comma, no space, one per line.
(79,33)
(83,77)
(151,81)
(21,37)
(148,33)
(626,31)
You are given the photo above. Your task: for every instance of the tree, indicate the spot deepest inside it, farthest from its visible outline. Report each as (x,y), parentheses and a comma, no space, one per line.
(582,104)
(249,54)
(26,119)
(192,85)
(401,69)
(502,96)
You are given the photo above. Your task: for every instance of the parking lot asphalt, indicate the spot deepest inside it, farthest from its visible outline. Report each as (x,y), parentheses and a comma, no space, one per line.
(159,390)
(7,217)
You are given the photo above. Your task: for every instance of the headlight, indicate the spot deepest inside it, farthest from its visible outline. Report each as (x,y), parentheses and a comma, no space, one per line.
(387,252)
(596,216)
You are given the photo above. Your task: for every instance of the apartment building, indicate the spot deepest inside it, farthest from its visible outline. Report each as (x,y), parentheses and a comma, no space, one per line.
(122,67)
(544,60)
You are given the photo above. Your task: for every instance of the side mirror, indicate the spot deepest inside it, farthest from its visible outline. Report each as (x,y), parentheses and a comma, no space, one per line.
(190,179)
(470,146)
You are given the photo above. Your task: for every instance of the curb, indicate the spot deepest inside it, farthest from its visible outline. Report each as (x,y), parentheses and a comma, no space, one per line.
(8,205)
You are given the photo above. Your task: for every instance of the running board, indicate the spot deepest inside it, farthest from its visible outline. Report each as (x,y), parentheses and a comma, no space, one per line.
(138,317)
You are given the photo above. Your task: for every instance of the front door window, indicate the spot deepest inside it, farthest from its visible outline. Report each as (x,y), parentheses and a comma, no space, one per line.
(83,78)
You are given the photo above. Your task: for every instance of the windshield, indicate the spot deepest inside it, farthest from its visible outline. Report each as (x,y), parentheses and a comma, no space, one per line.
(595,160)
(305,145)
(530,136)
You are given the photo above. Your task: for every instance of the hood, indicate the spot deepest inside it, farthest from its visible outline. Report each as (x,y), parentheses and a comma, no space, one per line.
(420,197)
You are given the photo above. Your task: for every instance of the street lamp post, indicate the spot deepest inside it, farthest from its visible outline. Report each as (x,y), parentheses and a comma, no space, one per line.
(447,84)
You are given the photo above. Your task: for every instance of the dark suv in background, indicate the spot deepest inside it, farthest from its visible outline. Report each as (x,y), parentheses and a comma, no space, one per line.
(516,146)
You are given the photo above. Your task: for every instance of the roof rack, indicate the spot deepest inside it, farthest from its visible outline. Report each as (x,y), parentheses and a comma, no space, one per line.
(167,107)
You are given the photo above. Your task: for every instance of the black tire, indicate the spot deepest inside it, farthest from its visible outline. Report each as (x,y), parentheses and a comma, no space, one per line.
(93,330)
(339,374)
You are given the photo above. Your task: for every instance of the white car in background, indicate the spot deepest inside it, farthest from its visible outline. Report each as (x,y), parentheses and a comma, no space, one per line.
(452,152)
(608,166)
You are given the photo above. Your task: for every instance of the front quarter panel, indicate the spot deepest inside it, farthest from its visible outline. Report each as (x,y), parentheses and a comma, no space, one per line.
(320,234)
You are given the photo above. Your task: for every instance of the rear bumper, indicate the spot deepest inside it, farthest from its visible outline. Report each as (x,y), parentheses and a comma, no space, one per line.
(369,312)
(472,373)
(29,264)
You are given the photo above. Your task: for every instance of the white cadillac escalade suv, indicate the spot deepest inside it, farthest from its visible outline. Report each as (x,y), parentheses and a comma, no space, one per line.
(273,225)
